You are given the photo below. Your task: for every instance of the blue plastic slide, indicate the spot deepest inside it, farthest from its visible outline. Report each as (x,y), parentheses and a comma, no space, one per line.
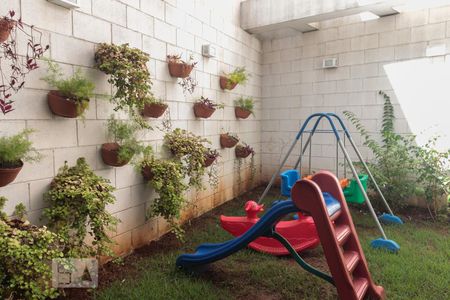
(208,253)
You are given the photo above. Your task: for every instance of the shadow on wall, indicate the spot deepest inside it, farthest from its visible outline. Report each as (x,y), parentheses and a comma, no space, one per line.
(422,88)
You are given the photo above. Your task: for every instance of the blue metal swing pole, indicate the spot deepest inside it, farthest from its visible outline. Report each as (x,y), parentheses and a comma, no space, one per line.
(277,172)
(311,133)
(387,218)
(377,243)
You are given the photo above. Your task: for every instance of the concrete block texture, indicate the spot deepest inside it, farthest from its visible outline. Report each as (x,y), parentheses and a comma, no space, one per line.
(158,28)
(295,85)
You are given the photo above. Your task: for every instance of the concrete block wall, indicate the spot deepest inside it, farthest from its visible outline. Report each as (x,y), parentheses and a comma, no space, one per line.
(158,27)
(295,85)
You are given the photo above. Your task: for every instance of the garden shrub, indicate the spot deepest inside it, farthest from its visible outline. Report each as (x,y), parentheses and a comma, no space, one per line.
(433,174)
(402,168)
(393,165)
(77,207)
(26,252)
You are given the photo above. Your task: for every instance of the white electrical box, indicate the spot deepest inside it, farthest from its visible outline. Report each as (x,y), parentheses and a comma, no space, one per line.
(66,3)
(209,50)
(329,63)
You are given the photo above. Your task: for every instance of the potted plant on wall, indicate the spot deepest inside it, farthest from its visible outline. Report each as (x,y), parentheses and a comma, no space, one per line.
(6,25)
(77,208)
(210,157)
(230,80)
(189,148)
(124,146)
(180,68)
(128,72)
(204,107)
(17,65)
(73,94)
(14,150)
(228,140)
(243,107)
(167,178)
(243,151)
(153,107)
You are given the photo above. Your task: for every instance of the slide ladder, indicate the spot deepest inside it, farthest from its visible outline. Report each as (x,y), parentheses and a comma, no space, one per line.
(338,236)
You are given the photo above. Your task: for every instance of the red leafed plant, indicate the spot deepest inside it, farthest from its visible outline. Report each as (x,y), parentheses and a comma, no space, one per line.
(12,79)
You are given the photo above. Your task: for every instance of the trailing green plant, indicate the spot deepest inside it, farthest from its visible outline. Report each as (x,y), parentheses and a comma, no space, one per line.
(77,208)
(213,172)
(167,178)
(17,148)
(433,174)
(128,72)
(76,87)
(25,253)
(393,165)
(246,103)
(238,76)
(253,170)
(246,149)
(189,148)
(124,133)
(210,104)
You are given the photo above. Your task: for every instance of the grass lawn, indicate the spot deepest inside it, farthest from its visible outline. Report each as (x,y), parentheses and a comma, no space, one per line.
(420,271)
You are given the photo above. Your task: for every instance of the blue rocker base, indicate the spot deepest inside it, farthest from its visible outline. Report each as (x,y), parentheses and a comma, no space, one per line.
(389,245)
(390,219)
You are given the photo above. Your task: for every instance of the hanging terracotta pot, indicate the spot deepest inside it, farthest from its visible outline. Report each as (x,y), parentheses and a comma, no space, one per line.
(225,84)
(242,152)
(201,110)
(6,25)
(110,155)
(227,141)
(8,175)
(209,160)
(63,106)
(180,70)
(154,110)
(147,173)
(241,113)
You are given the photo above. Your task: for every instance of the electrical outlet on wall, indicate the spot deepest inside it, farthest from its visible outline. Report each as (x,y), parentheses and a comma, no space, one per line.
(66,3)
(329,63)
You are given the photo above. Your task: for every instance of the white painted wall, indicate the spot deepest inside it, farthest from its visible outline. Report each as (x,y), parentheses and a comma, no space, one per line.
(159,28)
(387,54)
